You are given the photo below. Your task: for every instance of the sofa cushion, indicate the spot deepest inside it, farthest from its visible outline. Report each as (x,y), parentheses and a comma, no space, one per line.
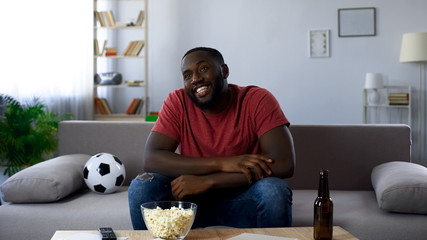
(401,187)
(47,181)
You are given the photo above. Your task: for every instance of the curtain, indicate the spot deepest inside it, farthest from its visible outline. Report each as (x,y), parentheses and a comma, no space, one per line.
(46,51)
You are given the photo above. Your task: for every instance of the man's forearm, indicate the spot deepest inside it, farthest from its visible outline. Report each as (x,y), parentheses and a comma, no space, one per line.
(226,180)
(251,166)
(174,165)
(160,157)
(186,185)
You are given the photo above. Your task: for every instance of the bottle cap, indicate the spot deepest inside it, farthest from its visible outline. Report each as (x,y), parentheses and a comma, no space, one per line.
(324,172)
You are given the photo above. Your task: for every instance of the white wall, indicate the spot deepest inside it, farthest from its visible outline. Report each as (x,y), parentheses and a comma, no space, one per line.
(265,42)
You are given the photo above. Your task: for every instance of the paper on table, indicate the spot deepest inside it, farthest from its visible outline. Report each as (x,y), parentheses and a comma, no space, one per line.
(81,236)
(87,236)
(252,236)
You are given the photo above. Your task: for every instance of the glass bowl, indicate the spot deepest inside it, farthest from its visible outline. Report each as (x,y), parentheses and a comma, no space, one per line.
(169,219)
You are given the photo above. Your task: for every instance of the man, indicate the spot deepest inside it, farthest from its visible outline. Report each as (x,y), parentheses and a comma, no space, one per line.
(235,149)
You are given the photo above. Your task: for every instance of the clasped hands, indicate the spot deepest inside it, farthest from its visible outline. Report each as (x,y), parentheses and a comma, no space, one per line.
(253,166)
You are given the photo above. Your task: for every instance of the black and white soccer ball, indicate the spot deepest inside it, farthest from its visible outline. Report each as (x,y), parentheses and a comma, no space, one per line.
(104,173)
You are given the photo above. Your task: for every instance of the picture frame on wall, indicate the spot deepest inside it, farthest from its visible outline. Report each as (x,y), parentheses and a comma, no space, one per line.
(356,22)
(319,43)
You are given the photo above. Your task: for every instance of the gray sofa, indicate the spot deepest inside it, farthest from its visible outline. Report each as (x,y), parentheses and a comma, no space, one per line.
(350,152)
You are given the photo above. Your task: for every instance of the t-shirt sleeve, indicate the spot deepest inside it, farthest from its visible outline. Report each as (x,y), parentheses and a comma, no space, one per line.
(168,122)
(268,113)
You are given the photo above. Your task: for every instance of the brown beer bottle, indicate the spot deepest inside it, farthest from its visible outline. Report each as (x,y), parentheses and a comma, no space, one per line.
(323,210)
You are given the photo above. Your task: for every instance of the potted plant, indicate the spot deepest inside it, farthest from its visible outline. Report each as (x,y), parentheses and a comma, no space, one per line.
(28,133)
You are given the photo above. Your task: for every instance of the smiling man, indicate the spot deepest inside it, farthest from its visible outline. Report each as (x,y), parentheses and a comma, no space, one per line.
(235,150)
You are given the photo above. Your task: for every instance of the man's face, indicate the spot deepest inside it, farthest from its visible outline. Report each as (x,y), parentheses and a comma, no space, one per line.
(204,79)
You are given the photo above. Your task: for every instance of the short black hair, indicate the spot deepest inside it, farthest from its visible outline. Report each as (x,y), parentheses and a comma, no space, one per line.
(212,52)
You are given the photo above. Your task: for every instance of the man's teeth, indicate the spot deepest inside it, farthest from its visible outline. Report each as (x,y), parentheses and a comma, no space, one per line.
(200,89)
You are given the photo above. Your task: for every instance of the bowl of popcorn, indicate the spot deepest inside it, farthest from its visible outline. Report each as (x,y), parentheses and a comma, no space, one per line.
(169,219)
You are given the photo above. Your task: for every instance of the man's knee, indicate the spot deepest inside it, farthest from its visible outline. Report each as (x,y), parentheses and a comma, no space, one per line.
(144,188)
(273,188)
(147,183)
(275,198)
(149,187)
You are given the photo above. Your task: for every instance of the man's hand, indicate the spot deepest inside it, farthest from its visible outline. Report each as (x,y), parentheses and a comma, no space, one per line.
(188,185)
(249,164)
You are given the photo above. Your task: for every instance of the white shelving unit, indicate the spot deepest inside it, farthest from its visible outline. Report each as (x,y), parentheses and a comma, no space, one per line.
(132,68)
(386,111)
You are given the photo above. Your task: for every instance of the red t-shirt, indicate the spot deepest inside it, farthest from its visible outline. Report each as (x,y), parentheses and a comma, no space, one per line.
(236,131)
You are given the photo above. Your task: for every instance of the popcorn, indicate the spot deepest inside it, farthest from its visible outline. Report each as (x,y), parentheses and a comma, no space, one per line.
(168,223)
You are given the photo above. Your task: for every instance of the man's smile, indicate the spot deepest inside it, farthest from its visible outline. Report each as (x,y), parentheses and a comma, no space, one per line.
(202,91)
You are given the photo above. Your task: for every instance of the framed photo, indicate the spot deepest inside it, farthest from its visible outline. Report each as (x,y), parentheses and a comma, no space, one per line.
(319,43)
(356,22)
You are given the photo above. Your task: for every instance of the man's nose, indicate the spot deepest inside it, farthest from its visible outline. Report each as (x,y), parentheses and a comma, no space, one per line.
(196,78)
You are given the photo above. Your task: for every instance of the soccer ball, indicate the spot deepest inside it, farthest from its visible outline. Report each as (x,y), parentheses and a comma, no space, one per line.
(104,173)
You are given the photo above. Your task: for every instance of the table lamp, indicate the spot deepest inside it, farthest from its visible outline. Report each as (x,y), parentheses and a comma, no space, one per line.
(374,81)
(414,49)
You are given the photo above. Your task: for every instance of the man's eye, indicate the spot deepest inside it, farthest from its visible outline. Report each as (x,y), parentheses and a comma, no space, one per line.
(187,76)
(203,69)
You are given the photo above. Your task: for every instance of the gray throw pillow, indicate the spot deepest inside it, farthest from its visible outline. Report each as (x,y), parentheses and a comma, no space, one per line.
(47,181)
(401,187)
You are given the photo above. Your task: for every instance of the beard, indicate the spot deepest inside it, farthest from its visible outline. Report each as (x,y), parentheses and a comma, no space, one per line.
(217,91)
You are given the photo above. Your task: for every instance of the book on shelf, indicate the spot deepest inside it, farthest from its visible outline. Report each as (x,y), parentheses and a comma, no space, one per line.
(99,106)
(141,104)
(398,103)
(140,18)
(128,111)
(97,50)
(110,51)
(398,95)
(96,47)
(103,48)
(128,48)
(135,106)
(102,106)
(100,18)
(398,98)
(106,106)
(134,48)
(134,83)
(138,48)
(121,24)
(110,18)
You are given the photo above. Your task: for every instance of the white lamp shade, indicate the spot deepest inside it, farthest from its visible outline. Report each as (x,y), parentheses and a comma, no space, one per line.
(374,81)
(414,47)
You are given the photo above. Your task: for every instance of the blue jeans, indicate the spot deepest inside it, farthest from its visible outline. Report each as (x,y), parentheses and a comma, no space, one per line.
(266,203)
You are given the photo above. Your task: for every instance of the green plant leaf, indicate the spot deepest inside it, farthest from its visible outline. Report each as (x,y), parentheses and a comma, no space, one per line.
(28,134)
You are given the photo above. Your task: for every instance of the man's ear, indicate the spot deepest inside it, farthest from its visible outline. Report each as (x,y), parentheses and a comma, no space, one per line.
(224,71)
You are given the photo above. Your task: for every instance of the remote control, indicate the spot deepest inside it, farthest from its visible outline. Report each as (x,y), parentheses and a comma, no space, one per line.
(107,233)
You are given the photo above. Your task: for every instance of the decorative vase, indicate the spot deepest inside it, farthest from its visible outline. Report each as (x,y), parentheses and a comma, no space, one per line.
(374,97)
